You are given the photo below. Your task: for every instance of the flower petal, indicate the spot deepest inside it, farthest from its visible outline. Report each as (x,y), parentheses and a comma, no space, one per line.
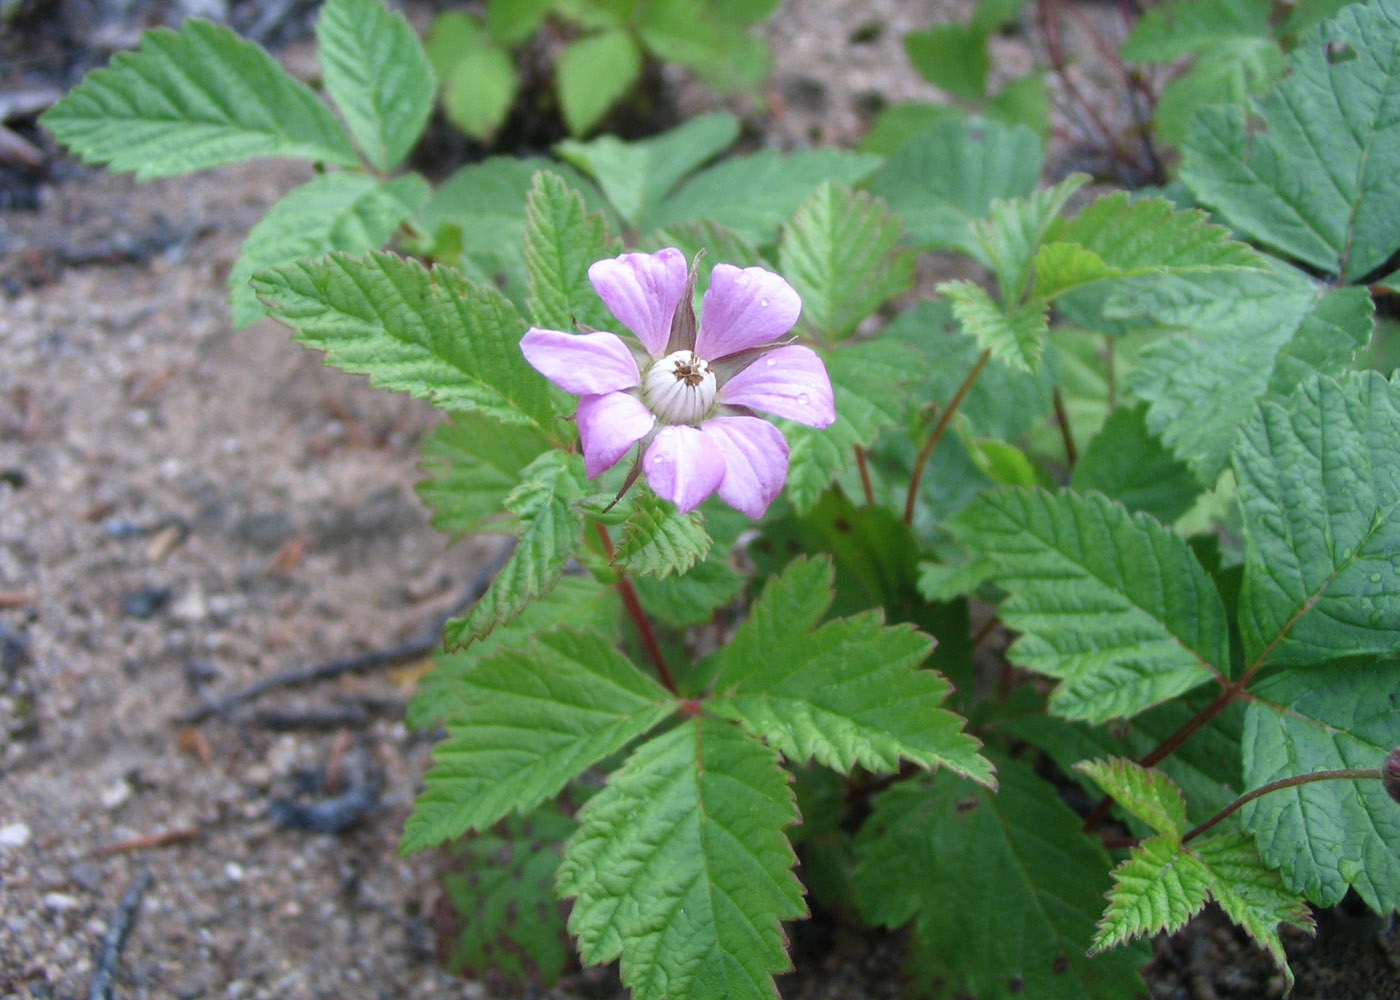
(684,465)
(743,308)
(643,290)
(755,461)
(607,426)
(787,382)
(585,364)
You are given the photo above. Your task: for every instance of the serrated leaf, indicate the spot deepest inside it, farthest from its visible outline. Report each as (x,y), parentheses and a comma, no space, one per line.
(344,211)
(1314,182)
(1159,888)
(658,540)
(692,598)
(1326,835)
(550,531)
(1112,603)
(841,252)
(1015,338)
(472,463)
(378,75)
(720,243)
(562,238)
(899,122)
(1319,484)
(1028,886)
(1226,72)
(1179,27)
(949,581)
(1127,463)
(192,99)
(636,176)
(755,194)
(592,73)
(848,693)
(1118,238)
(534,719)
(1012,232)
(1244,337)
(500,885)
(431,334)
(681,868)
(943,179)
(951,56)
(1146,793)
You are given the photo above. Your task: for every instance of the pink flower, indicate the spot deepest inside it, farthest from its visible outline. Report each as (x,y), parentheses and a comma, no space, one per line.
(689,392)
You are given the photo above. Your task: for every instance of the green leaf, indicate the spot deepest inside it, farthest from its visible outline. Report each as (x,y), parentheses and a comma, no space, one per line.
(378,75)
(1028,888)
(515,21)
(636,176)
(1014,228)
(578,602)
(478,90)
(192,99)
(755,194)
(849,693)
(1015,338)
(1022,101)
(505,921)
(1315,181)
(897,123)
(1180,27)
(692,598)
(1319,486)
(1118,238)
(431,334)
(659,540)
(533,720)
(472,463)
(562,238)
(1244,336)
(338,211)
(1326,835)
(1226,72)
(592,73)
(680,867)
(720,243)
(550,530)
(951,56)
(841,252)
(943,179)
(1112,603)
(1127,463)
(1159,888)
(1146,793)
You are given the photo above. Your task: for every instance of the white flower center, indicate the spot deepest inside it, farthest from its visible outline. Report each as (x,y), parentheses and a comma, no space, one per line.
(679,388)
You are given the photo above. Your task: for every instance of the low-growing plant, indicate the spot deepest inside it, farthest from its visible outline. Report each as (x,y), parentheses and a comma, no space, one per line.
(1153,449)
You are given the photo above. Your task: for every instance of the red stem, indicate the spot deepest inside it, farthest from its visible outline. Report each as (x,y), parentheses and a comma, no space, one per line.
(937,434)
(633,604)
(864,476)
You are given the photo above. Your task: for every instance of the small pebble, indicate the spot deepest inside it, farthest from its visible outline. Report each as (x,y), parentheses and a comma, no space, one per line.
(116,795)
(58,902)
(145,602)
(233,871)
(14,835)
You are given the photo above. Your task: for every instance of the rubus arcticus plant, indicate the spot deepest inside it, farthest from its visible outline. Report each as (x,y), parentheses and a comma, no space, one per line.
(1142,484)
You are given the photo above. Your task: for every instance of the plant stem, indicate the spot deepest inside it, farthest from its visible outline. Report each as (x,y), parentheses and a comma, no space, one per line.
(633,604)
(1066,432)
(865,476)
(1110,372)
(937,434)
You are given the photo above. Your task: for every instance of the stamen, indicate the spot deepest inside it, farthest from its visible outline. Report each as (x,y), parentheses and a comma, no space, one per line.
(680,388)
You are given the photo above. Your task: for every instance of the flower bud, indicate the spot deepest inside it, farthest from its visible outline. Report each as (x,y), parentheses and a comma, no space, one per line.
(1390,774)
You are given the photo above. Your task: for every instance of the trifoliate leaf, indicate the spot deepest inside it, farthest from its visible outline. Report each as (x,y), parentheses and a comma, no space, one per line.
(1180,27)
(345,211)
(472,463)
(841,252)
(550,531)
(505,920)
(578,602)
(849,693)
(636,176)
(1315,180)
(1112,603)
(1319,482)
(1326,835)
(431,334)
(1127,463)
(1012,232)
(191,99)
(1118,238)
(658,540)
(378,75)
(533,720)
(561,239)
(1243,337)
(592,73)
(1027,885)
(681,868)
(1159,888)
(943,179)
(1015,337)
